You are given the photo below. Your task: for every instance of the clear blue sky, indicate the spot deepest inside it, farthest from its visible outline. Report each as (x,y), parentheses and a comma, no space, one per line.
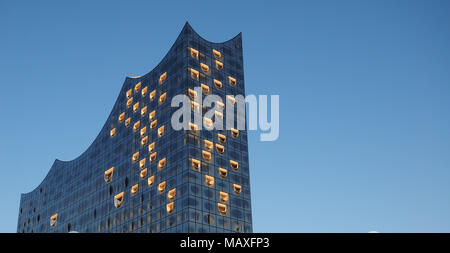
(364,95)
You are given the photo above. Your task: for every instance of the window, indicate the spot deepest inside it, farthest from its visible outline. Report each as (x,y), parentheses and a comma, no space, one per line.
(109,174)
(171,194)
(121,117)
(205,68)
(160,131)
(112,133)
(223,172)
(196,165)
(192,93)
(237,188)
(206,155)
(220,105)
(162,98)
(209,181)
(152,95)
(53,220)
(136,125)
(162,163)
(136,107)
(232,81)
(195,106)
(127,122)
(194,73)
(143,173)
(144,141)
(152,115)
(170,207)
(234,165)
(134,189)
(218,84)
(150,181)
(220,149)
(144,91)
(222,138)
(218,115)
(135,157)
(219,65)
(223,197)
(129,102)
(208,145)
(193,127)
(222,208)
(234,133)
(153,124)
(208,123)
(143,131)
(142,162)
(205,89)
(194,53)
(162,187)
(137,87)
(162,78)
(231,100)
(151,147)
(217,54)
(153,157)
(129,93)
(143,111)
(118,200)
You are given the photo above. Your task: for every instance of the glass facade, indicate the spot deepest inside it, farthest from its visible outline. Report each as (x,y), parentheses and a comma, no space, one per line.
(139,174)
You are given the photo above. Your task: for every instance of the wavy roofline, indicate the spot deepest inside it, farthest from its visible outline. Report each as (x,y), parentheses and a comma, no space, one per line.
(58,161)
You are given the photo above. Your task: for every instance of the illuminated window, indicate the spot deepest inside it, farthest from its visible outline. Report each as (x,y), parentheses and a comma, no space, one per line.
(218,115)
(144,91)
(223,172)
(206,155)
(205,89)
(151,147)
(137,87)
(217,54)
(162,163)
(171,194)
(152,115)
(129,102)
(112,133)
(150,181)
(195,106)
(153,157)
(144,141)
(193,127)
(109,175)
(209,181)
(153,124)
(143,131)
(237,188)
(222,138)
(118,200)
(129,93)
(53,220)
(162,78)
(208,145)
(205,68)
(194,74)
(234,133)
(160,131)
(143,111)
(223,197)
(136,125)
(135,157)
(234,165)
(220,149)
(208,123)
(152,95)
(170,207)
(222,208)
(220,105)
(134,189)
(142,163)
(121,117)
(219,65)
(232,81)
(143,173)
(218,84)
(196,165)
(192,93)
(127,122)
(136,107)
(231,100)
(162,98)
(194,53)
(162,187)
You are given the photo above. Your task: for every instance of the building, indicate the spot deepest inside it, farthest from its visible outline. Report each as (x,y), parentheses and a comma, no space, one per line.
(139,174)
